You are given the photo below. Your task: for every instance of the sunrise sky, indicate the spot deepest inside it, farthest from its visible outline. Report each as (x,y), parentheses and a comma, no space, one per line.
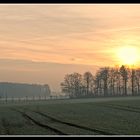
(42,43)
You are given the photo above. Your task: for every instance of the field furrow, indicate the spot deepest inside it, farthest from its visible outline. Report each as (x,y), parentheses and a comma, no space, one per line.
(26,116)
(75,125)
(109,116)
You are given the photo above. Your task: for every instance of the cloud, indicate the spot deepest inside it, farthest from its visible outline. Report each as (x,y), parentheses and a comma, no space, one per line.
(38,40)
(58,33)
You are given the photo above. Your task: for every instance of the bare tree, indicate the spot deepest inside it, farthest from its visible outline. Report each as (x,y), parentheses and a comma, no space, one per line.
(112,80)
(98,84)
(72,85)
(104,73)
(66,86)
(88,81)
(132,80)
(107,81)
(137,73)
(118,80)
(124,74)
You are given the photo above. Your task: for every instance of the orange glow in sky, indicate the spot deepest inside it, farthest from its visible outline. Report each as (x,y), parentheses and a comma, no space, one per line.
(83,37)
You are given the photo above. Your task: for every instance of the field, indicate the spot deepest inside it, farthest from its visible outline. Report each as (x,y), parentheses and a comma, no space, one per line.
(96,116)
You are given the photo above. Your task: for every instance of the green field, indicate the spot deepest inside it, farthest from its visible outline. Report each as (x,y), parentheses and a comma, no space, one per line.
(96,116)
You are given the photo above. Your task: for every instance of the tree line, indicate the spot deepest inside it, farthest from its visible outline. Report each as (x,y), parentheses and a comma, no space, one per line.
(107,81)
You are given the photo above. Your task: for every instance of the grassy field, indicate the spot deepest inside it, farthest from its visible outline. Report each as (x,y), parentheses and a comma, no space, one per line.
(96,116)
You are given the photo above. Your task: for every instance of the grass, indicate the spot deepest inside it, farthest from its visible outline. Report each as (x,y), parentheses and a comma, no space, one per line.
(96,116)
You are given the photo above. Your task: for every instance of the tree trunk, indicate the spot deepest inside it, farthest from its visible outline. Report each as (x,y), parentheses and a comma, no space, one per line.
(125,88)
(132,80)
(105,88)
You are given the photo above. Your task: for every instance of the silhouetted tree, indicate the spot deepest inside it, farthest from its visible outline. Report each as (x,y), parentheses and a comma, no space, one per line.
(98,84)
(112,80)
(137,74)
(107,81)
(104,74)
(72,84)
(118,80)
(88,81)
(124,74)
(132,74)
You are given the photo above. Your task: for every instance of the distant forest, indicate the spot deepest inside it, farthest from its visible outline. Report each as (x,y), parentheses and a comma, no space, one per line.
(107,81)
(19,90)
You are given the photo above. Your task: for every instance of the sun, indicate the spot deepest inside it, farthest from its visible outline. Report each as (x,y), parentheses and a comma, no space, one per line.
(128,55)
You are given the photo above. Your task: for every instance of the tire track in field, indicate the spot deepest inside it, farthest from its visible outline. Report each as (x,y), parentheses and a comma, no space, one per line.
(130,107)
(73,125)
(26,116)
(121,107)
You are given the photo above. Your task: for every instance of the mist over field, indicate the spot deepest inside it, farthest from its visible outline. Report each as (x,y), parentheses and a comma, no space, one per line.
(38,72)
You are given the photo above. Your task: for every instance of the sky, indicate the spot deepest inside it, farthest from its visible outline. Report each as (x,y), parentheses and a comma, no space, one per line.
(42,43)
